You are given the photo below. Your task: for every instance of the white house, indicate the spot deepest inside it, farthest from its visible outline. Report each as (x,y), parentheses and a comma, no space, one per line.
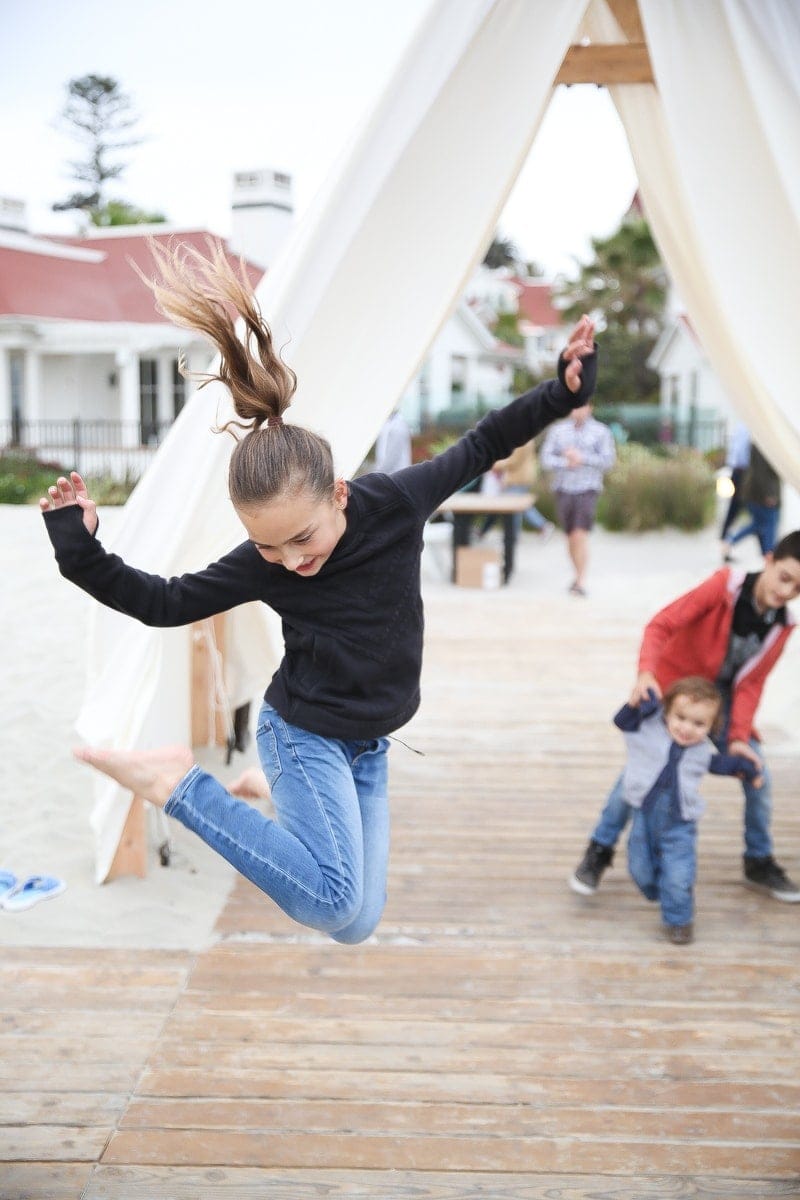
(86,362)
(89,370)
(694,406)
(541,325)
(467,368)
(494,292)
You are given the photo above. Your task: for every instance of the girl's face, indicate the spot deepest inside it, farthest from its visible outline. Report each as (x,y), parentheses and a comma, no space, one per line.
(299,532)
(690,721)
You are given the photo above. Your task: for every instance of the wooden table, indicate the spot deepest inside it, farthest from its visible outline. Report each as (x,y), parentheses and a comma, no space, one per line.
(508,506)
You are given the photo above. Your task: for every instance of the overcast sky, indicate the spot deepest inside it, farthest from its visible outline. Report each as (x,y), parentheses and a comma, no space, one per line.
(221,87)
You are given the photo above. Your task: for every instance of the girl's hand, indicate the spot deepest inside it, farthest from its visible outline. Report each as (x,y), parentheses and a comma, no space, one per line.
(581,343)
(65,492)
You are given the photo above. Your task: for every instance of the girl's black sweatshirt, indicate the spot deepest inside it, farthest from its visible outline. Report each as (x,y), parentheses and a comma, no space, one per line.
(353,632)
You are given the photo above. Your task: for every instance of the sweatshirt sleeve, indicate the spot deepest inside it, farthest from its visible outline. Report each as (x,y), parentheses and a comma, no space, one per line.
(680,613)
(628,719)
(429,483)
(749,685)
(732,764)
(150,599)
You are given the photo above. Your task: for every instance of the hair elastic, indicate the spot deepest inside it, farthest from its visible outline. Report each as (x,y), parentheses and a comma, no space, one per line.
(276,420)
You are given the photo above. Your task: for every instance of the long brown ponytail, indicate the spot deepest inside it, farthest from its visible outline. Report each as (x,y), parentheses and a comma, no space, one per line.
(202,294)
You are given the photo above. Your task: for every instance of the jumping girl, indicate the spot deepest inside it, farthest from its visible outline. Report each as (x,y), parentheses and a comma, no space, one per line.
(339,562)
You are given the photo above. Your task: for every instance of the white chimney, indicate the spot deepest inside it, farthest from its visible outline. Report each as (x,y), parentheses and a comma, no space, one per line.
(13,215)
(262,212)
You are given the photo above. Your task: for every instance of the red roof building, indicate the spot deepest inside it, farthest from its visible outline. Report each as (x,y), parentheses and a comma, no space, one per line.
(81,341)
(83,352)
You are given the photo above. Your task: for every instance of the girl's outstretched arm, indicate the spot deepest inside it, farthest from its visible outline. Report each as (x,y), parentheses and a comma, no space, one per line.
(71,491)
(493,439)
(71,520)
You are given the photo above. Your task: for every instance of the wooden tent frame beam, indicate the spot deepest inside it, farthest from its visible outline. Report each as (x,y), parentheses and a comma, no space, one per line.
(605,64)
(610,63)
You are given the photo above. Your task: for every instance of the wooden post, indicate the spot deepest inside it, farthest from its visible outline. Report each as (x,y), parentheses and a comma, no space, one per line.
(208,724)
(131,855)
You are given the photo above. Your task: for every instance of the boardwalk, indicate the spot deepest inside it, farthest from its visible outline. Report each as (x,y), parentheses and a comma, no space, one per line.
(500,1037)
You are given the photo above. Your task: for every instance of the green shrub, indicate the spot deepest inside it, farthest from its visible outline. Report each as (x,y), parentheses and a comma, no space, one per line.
(650,490)
(105,490)
(23,479)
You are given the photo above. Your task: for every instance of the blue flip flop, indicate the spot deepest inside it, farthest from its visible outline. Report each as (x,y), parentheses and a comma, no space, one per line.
(7,881)
(31,891)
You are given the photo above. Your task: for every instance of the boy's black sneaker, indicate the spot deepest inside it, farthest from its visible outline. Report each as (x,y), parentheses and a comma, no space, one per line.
(765,875)
(680,935)
(588,874)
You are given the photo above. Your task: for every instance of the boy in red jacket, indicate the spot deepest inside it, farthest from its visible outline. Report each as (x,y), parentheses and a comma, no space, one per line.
(731,630)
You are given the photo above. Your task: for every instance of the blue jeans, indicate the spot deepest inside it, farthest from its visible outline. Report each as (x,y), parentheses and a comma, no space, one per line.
(662,858)
(763,525)
(324,859)
(757,813)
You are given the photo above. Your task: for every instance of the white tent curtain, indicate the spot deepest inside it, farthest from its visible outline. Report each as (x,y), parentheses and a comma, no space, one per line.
(357,297)
(717,150)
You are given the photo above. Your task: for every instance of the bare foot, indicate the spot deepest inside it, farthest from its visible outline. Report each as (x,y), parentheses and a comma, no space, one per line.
(250,785)
(151,774)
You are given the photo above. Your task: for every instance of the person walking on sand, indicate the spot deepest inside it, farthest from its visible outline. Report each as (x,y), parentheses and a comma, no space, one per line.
(578,452)
(760,493)
(737,460)
(339,562)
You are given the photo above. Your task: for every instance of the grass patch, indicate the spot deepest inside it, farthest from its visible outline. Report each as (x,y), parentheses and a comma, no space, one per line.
(23,479)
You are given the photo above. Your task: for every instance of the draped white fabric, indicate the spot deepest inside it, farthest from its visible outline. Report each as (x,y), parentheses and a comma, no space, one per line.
(717,152)
(357,297)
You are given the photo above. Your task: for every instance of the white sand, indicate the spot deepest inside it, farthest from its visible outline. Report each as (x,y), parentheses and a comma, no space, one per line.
(45,798)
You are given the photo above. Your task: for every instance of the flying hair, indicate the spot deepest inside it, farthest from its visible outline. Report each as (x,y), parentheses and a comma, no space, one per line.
(206,294)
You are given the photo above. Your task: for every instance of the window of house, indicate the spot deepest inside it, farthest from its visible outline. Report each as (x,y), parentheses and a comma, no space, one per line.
(458,372)
(148,400)
(178,389)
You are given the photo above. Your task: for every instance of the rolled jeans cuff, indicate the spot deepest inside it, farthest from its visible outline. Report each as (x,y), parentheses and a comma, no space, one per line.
(180,789)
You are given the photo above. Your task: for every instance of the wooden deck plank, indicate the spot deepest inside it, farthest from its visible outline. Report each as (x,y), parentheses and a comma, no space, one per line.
(245,1183)
(44,1180)
(453,1153)
(54,1143)
(469,1118)
(438,1087)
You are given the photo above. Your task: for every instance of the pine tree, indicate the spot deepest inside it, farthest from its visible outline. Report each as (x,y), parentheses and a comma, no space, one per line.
(100,116)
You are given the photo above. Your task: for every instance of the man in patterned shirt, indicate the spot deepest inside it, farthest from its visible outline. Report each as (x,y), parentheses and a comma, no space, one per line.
(578,451)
